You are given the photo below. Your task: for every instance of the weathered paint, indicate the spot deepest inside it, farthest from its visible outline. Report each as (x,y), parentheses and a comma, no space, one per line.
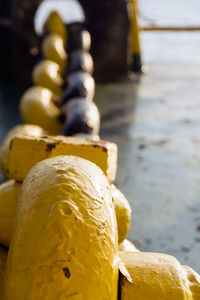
(3,259)
(65,234)
(123,213)
(53,49)
(157,276)
(55,24)
(128,246)
(37,107)
(9,194)
(33,150)
(47,73)
(25,130)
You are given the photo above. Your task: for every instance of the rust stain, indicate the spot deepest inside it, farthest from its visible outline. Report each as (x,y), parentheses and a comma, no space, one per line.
(49,147)
(100,147)
(44,137)
(67,272)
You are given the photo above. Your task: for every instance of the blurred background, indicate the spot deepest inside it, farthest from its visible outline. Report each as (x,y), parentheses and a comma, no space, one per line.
(154,117)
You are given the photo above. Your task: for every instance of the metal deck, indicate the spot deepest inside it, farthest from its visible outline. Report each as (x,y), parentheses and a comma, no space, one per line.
(156,123)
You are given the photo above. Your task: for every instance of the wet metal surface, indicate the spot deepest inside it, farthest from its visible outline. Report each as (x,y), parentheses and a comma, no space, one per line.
(156,124)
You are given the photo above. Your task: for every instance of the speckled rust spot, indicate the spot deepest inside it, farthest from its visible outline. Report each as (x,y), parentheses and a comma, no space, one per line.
(100,147)
(67,272)
(49,147)
(18,181)
(44,136)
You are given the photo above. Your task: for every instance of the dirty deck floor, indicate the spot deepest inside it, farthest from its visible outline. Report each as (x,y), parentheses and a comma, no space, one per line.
(155,120)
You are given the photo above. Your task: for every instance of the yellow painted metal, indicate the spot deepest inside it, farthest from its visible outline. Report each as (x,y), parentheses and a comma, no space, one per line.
(26,152)
(55,24)
(128,246)
(123,213)
(9,194)
(170,28)
(64,243)
(24,130)
(47,74)
(53,49)
(157,276)
(37,107)
(3,259)
(135,31)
